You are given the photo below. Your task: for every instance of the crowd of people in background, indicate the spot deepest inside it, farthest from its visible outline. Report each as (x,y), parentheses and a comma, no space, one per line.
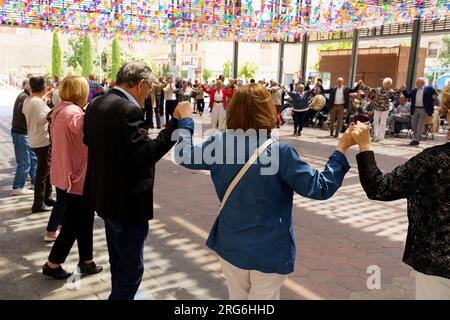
(90,141)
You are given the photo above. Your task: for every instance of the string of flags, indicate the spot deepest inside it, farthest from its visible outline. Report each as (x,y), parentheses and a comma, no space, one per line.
(206,20)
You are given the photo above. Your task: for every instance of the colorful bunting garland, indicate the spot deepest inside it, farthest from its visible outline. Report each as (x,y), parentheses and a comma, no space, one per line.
(206,20)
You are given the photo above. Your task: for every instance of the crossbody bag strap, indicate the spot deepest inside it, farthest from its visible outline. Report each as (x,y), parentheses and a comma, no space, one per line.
(258,152)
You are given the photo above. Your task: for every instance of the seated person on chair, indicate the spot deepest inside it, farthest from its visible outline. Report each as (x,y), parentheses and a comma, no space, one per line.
(316,103)
(400,114)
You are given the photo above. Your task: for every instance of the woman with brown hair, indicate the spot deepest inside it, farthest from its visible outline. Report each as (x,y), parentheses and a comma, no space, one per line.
(253,233)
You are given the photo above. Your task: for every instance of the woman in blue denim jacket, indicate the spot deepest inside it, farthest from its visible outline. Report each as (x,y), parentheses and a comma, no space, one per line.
(253,233)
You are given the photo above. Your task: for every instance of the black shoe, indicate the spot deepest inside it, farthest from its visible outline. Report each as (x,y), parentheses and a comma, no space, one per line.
(414,143)
(42,208)
(295,133)
(57,273)
(283,122)
(50,202)
(90,268)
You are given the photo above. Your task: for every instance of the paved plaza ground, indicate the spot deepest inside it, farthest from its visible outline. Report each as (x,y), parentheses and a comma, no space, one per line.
(337,240)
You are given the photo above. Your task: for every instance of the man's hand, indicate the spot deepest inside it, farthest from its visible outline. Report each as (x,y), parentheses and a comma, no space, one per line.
(346,140)
(183,110)
(361,135)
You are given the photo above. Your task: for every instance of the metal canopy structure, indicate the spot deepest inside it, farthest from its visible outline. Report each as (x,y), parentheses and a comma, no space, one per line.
(280,21)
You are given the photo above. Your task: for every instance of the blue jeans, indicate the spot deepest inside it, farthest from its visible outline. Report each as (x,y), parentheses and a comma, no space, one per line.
(25,159)
(126,257)
(57,215)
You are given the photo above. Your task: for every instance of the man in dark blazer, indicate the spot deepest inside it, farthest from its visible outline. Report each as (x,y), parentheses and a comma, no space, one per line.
(338,102)
(120,173)
(422,106)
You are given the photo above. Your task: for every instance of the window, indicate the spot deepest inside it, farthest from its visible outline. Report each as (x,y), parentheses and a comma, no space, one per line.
(433,49)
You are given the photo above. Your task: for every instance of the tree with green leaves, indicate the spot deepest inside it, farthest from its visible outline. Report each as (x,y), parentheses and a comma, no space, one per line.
(248,70)
(73,56)
(227,69)
(166,69)
(154,67)
(116,59)
(56,56)
(87,59)
(206,74)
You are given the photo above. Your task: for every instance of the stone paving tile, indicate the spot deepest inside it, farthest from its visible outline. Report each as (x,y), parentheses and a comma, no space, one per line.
(336,239)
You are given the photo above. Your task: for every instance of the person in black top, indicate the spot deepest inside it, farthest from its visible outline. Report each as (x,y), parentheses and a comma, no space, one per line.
(424,181)
(25,158)
(121,171)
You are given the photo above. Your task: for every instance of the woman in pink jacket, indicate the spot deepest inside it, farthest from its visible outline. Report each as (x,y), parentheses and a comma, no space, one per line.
(218,104)
(67,173)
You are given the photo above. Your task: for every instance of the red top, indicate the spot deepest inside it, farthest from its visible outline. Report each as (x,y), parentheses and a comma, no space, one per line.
(212,92)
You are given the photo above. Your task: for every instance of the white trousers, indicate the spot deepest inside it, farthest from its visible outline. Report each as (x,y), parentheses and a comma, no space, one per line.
(251,284)
(432,287)
(379,124)
(218,116)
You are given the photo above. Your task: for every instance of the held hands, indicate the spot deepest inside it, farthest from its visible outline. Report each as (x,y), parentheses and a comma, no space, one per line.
(346,140)
(355,134)
(183,110)
(361,136)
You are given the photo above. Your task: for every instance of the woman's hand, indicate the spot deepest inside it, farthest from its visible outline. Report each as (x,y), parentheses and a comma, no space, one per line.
(361,135)
(346,140)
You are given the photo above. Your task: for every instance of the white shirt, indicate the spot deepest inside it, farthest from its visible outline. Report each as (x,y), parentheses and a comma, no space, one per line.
(339,97)
(419,98)
(36,111)
(218,96)
(129,96)
(169,92)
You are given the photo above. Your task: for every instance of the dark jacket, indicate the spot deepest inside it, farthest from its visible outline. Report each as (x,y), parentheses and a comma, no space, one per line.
(121,159)
(425,182)
(428,101)
(332,92)
(19,123)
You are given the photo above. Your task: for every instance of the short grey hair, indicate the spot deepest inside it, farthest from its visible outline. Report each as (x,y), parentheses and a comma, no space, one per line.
(132,73)
(387,80)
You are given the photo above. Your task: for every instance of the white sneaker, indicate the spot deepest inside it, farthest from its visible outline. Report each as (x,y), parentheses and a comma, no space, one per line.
(21,192)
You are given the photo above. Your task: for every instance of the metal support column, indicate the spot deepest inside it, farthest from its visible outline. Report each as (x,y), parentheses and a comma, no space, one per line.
(280,61)
(305,42)
(354,58)
(413,54)
(235,59)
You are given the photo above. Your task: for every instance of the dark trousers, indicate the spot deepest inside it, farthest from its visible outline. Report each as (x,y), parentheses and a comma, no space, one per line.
(42,186)
(126,257)
(170,108)
(299,120)
(159,110)
(57,215)
(200,105)
(78,225)
(148,114)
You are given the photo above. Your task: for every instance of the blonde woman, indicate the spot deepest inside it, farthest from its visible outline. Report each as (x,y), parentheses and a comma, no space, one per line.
(253,233)
(445,105)
(67,174)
